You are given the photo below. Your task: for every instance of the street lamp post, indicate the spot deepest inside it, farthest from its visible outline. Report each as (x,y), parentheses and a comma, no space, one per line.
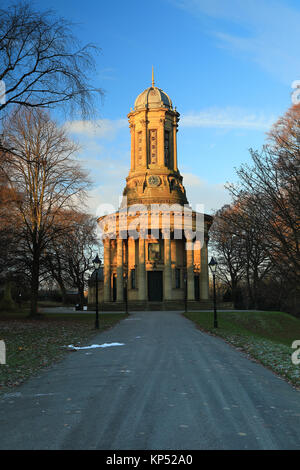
(125,277)
(97,264)
(213,267)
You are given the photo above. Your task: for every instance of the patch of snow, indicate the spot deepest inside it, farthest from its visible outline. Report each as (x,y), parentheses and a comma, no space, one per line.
(12,395)
(43,394)
(93,346)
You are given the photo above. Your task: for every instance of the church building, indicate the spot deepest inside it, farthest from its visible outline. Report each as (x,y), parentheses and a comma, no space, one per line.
(162,262)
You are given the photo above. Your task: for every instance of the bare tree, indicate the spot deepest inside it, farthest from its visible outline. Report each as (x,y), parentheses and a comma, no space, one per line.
(228,247)
(239,244)
(41,62)
(41,168)
(69,257)
(8,228)
(274,206)
(255,257)
(269,195)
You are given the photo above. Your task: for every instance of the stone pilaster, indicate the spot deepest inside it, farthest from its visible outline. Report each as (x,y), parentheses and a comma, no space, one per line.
(175,145)
(161,142)
(132,131)
(167,268)
(204,291)
(142,269)
(145,142)
(106,270)
(190,271)
(119,270)
(131,260)
(131,253)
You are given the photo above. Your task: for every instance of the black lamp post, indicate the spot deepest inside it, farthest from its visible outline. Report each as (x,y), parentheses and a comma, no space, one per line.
(125,277)
(213,267)
(97,264)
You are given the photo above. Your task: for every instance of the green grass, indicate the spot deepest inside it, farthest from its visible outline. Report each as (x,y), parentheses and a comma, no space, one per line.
(265,336)
(33,344)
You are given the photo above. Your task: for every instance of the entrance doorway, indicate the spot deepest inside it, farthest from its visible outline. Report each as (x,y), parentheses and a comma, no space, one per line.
(155,286)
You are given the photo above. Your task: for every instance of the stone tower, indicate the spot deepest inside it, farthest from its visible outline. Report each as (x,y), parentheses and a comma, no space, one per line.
(155,266)
(154,174)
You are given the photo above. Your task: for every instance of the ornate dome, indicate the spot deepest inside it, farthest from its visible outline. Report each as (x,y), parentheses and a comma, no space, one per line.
(153,97)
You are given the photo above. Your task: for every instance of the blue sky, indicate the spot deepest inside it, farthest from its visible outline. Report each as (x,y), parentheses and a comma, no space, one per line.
(227,65)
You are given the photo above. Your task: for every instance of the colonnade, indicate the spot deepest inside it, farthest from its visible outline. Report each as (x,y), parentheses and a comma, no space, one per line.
(141,269)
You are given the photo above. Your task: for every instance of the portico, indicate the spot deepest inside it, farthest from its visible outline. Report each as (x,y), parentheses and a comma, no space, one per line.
(155,241)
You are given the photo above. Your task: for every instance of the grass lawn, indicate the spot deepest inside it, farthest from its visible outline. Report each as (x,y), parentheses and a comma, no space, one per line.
(33,344)
(264,336)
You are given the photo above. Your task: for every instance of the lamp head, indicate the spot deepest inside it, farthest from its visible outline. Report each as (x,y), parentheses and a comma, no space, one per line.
(97,262)
(213,264)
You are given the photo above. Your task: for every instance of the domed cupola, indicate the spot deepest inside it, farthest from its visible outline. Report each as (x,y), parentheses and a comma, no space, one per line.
(153,97)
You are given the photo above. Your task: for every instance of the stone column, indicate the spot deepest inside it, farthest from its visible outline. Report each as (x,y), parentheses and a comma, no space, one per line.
(175,146)
(131,260)
(204,291)
(142,269)
(133,157)
(145,142)
(190,270)
(131,253)
(119,270)
(106,270)
(167,268)
(161,142)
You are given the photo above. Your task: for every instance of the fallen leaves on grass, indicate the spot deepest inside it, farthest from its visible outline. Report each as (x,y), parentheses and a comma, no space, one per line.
(32,345)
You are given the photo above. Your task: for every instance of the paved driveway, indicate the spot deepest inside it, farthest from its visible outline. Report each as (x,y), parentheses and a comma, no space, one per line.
(169,387)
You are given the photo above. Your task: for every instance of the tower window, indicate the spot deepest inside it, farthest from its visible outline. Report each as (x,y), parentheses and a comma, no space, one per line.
(140,154)
(153,145)
(167,134)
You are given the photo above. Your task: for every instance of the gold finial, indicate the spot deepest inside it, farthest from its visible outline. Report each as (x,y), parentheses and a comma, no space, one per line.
(152,77)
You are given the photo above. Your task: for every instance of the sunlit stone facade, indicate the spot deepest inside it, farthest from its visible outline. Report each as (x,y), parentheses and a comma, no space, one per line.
(148,254)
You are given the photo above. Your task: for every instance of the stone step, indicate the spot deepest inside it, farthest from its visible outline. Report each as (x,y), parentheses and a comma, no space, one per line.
(200,305)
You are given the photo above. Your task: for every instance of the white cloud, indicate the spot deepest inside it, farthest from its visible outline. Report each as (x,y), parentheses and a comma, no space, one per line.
(269,31)
(100,128)
(110,180)
(212,195)
(227,118)
(107,158)
(107,73)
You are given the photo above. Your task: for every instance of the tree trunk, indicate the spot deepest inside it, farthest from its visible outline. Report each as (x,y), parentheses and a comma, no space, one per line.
(249,291)
(35,271)
(234,292)
(62,289)
(63,295)
(81,296)
(7,302)
(255,288)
